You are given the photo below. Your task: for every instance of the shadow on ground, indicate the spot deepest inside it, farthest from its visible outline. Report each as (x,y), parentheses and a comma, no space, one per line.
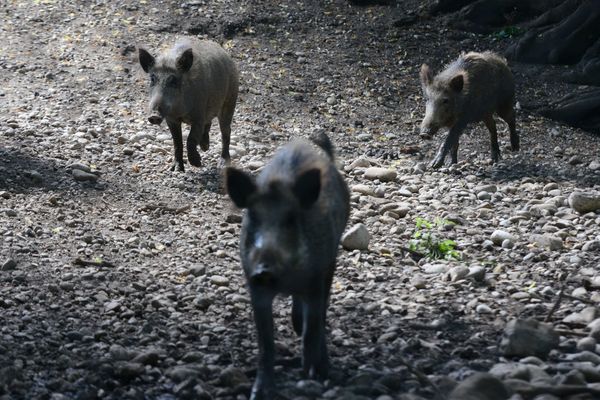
(21,172)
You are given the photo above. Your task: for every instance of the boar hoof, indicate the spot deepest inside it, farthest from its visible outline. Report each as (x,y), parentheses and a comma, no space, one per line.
(436,163)
(262,391)
(177,166)
(194,158)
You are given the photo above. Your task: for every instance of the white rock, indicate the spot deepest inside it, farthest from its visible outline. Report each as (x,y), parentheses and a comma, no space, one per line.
(383,174)
(435,269)
(356,238)
(584,202)
(458,273)
(483,309)
(499,236)
(548,241)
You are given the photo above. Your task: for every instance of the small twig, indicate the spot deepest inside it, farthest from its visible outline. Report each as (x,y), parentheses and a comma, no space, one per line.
(557,302)
(570,296)
(569,332)
(85,263)
(164,208)
(421,377)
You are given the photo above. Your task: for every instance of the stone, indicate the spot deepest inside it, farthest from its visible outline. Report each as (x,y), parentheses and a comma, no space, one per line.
(528,337)
(592,245)
(499,236)
(483,309)
(458,273)
(435,269)
(232,377)
(476,273)
(128,370)
(383,174)
(219,280)
(594,165)
(584,317)
(480,386)
(584,202)
(356,238)
(586,344)
(8,265)
(364,189)
(82,176)
(547,241)
(310,388)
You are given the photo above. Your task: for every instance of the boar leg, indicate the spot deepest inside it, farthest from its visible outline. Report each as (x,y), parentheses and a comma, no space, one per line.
(262,304)
(175,128)
(205,136)
(192,145)
(507,113)
(225,119)
(297,318)
(489,122)
(314,362)
(454,153)
(451,139)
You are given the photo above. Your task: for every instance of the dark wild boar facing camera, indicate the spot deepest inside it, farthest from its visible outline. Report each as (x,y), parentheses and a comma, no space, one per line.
(193,82)
(295,213)
(470,89)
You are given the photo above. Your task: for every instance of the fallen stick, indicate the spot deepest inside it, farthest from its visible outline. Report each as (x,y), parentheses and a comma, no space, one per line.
(164,208)
(421,377)
(85,263)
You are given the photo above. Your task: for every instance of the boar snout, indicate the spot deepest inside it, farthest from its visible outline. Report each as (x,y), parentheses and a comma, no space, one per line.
(155,119)
(262,275)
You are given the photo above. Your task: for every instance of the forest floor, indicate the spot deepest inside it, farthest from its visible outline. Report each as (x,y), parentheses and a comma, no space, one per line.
(161,310)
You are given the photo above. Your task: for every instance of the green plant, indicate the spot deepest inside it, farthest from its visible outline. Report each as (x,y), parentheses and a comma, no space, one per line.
(508,32)
(427,240)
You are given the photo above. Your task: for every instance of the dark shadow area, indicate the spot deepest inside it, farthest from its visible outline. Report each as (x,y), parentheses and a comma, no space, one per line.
(23,172)
(519,168)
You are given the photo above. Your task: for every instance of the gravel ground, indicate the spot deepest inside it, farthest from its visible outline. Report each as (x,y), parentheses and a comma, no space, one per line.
(120,279)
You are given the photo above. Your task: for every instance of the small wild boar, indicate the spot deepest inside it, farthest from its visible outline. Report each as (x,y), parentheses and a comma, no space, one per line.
(193,82)
(470,89)
(295,213)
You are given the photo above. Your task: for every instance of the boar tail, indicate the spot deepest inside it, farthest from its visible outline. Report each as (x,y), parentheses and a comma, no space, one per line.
(322,140)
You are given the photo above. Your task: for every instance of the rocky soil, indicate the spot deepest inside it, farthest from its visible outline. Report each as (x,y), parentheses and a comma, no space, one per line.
(120,279)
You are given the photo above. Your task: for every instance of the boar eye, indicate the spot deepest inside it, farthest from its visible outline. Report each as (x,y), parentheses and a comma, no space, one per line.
(445,101)
(153,79)
(172,81)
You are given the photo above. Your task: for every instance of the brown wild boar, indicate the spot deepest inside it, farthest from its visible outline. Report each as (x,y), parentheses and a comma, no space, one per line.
(193,82)
(470,89)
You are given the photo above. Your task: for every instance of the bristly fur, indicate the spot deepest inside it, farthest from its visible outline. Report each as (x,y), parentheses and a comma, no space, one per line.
(323,141)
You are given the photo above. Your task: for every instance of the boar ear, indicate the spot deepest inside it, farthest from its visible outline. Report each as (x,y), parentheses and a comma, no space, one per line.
(308,187)
(146,60)
(185,60)
(426,75)
(240,186)
(457,83)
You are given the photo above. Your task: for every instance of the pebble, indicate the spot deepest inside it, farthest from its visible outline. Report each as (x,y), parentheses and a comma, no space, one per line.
(356,238)
(310,388)
(586,344)
(383,174)
(476,273)
(480,386)
(548,241)
(528,337)
(365,189)
(594,165)
(9,265)
(584,202)
(82,176)
(483,309)
(435,269)
(219,280)
(499,236)
(232,377)
(457,273)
